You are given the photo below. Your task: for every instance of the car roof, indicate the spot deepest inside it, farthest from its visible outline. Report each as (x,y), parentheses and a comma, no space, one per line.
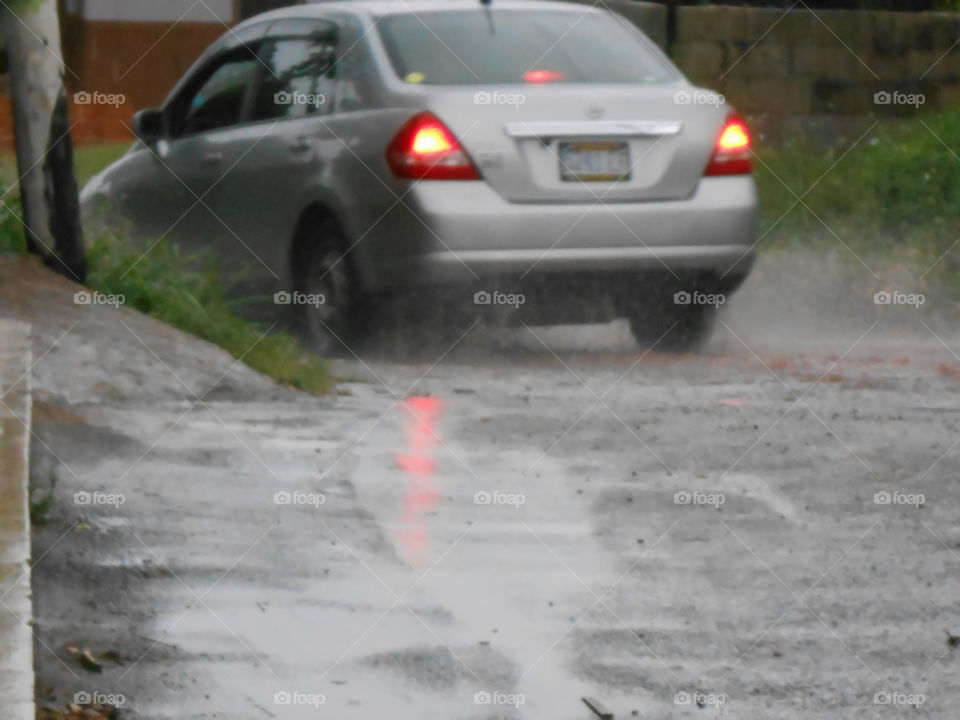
(316,8)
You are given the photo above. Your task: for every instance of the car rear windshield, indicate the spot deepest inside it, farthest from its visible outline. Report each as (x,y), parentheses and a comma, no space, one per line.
(507,46)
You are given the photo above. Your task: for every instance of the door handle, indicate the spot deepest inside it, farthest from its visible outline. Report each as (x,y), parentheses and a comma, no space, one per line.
(213,158)
(301,144)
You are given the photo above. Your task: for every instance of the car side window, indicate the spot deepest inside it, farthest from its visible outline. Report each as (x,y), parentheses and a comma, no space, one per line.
(355,70)
(218,101)
(298,80)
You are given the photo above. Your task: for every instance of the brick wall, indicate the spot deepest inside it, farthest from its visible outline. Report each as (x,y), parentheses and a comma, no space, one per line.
(138,62)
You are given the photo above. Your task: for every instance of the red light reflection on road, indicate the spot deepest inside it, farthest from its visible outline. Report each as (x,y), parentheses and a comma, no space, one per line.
(420,415)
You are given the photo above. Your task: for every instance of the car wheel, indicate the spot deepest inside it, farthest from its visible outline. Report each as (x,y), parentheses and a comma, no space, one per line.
(673,328)
(327,308)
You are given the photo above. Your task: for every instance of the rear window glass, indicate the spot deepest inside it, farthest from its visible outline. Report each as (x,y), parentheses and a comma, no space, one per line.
(517,46)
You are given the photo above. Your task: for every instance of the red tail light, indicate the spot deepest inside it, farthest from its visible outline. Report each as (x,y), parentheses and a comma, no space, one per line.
(543,76)
(424,149)
(731,153)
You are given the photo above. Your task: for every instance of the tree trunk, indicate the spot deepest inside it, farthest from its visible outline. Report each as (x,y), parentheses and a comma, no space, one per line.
(48,184)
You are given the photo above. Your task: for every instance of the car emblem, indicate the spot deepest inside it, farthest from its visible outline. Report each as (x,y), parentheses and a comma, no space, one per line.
(595,112)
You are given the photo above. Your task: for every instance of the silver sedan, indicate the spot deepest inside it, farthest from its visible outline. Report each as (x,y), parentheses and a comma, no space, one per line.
(539,160)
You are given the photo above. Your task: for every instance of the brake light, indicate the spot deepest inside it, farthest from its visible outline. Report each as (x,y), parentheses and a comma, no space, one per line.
(543,76)
(731,153)
(424,149)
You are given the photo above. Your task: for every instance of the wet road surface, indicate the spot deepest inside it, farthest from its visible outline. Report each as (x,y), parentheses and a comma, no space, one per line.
(751,533)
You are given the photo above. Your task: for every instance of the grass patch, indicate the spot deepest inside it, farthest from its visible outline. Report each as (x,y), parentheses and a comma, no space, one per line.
(41,495)
(12,239)
(895,195)
(41,504)
(165,285)
(90,159)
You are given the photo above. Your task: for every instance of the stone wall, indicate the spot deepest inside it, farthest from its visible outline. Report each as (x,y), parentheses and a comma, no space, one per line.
(825,62)
(648,16)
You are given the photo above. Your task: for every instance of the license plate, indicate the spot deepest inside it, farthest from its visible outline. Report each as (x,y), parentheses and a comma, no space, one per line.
(594,161)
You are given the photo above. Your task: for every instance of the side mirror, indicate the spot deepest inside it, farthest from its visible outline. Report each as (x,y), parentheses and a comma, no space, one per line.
(148,126)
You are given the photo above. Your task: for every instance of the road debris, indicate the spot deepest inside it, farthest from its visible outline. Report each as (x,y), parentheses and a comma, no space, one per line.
(597,708)
(84,657)
(86,711)
(953,636)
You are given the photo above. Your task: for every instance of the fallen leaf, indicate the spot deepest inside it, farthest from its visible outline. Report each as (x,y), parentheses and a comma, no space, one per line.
(81,712)
(84,657)
(88,661)
(948,369)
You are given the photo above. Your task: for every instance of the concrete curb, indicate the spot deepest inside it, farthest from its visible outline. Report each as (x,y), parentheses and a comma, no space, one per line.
(16,607)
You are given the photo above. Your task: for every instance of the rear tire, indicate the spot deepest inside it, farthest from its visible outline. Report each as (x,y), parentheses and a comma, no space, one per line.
(330,326)
(673,328)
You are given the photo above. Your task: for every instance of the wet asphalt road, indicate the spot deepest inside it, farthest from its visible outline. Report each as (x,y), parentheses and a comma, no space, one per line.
(765,531)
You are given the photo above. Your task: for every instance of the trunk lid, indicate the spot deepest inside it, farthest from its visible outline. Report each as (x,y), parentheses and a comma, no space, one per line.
(568,143)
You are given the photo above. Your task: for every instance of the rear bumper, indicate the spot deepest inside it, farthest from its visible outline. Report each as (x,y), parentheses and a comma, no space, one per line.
(680,259)
(464,232)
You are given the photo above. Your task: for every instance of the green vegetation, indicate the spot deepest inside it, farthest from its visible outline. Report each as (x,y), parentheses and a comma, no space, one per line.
(11,230)
(40,508)
(88,161)
(91,159)
(894,195)
(169,286)
(165,284)
(41,499)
